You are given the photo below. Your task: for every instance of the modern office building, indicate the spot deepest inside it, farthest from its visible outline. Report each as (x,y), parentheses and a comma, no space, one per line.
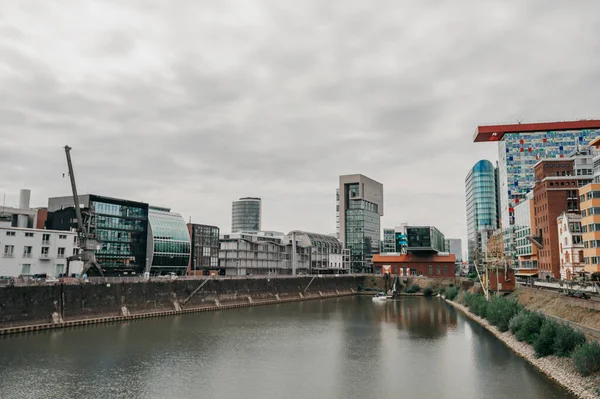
(205,249)
(360,210)
(389,241)
(555,191)
(327,255)
(482,219)
(520,147)
(570,243)
(454,246)
(169,245)
(425,239)
(261,253)
(27,251)
(121,227)
(246,215)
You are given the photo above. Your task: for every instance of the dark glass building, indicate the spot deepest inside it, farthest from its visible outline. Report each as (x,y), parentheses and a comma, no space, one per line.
(169,245)
(205,249)
(246,214)
(121,227)
(425,239)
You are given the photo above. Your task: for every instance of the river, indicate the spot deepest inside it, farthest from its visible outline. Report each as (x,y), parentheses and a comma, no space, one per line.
(335,348)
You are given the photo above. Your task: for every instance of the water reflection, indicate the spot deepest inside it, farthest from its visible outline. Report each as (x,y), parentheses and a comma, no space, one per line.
(340,348)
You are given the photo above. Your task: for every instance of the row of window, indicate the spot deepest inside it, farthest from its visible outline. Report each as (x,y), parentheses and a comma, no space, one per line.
(45,237)
(26,269)
(9,251)
(595,210)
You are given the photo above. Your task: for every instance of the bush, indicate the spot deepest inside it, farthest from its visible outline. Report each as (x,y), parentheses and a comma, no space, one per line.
(451,293)
(567,339)
(413,289)
(428,291)
(587,358)
(517,321)
(500,310)
(479,306)
(530,328)
(544,343)
(442,290)
(467,298)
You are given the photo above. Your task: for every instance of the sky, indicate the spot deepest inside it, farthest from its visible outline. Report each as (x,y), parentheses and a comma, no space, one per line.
(191,104)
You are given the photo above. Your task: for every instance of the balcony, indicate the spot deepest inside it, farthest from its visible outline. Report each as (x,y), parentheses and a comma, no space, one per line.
(27,255)
(45,242)
(8,255)
(60,256)
(44,256)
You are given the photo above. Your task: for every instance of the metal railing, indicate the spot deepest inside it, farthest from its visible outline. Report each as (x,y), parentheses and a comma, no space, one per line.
(8,255)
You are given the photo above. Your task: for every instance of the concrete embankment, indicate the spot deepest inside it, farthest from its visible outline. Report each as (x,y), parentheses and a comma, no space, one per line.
(558,369)
(32,308)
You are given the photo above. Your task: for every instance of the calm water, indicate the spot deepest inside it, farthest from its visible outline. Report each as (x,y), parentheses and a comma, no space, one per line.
(336,348)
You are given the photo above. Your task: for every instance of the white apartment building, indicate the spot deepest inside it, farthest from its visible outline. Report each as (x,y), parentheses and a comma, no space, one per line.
(26,251)
(570,242)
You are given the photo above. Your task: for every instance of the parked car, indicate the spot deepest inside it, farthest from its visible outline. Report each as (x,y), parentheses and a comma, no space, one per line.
(579,294)
(52,280)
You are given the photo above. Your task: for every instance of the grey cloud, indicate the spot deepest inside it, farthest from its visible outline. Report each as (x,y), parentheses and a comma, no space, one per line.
(195,105)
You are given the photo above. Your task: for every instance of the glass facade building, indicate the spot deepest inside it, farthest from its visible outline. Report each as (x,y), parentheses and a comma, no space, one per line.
(360,209)
(389,241)
(246,215)
(482,219)
(205,248)
(120,226)
(425,239)
(169,245)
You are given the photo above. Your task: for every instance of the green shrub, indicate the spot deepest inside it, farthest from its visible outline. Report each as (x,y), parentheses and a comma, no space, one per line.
(500,310)
(442,290)
(467,298)
(567,339)
(544,342)
(428,291)
(517,321)
(413,289)
(530,328)
(587,358)
(451,293)
(479,306)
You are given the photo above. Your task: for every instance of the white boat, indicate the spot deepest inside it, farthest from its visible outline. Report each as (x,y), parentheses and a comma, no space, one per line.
(380,297)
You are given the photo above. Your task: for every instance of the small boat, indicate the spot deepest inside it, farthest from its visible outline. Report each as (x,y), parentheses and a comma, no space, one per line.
(380,297)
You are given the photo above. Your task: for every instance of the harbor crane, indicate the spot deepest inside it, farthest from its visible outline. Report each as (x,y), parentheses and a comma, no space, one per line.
(88,245)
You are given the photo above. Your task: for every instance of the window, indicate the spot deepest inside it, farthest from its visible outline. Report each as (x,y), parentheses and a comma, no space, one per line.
(438,270)
(60,270)
(25,268)
(45,251)
(45,238)
(61,252)
(445,270)
(9,251)
(430,270)
(62,237)
(10,233)
(75,251)
(27,252)
(28,234)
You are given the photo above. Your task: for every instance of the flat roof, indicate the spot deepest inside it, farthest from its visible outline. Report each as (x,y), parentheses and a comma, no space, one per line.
(487,133)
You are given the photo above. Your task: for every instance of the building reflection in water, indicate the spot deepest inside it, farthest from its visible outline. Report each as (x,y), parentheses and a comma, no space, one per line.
(426,318)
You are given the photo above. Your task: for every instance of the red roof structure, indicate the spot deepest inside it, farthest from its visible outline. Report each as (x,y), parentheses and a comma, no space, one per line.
(496,132)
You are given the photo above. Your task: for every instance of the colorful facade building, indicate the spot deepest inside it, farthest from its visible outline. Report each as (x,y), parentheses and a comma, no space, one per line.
(520,147)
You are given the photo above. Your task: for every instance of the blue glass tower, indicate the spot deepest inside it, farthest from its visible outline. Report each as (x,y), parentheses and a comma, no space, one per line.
(482,217)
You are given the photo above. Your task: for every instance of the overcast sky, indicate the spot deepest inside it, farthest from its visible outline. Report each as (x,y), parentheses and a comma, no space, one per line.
(192,104)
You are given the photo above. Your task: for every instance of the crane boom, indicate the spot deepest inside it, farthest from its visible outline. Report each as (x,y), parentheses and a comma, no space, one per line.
(74,189)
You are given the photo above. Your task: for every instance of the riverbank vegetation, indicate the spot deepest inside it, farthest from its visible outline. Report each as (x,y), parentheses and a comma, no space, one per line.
(546,336)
